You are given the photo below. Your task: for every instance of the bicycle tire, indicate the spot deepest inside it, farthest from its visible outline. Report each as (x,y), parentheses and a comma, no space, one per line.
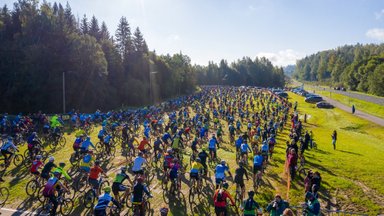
(191,195)
(89,199)
(40,195)
(4,194)
(31,187)
(66,206)
(62,141)
(18,159)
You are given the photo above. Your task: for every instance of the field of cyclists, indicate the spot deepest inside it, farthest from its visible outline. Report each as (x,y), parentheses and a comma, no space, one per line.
(171,147)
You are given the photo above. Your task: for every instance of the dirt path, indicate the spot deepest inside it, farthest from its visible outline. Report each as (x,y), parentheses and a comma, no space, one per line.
(358,113)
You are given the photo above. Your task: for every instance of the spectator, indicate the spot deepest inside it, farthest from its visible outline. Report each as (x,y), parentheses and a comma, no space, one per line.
(277,206)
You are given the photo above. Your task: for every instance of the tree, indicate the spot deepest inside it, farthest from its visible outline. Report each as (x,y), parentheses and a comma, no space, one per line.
(84,25)
(94,29)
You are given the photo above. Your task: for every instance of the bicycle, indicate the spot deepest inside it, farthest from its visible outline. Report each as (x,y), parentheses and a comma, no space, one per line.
(239,195)
(66,205)
(90,195)
(16,158)
(141,208)
(33,185)
(4,194)
(194,189)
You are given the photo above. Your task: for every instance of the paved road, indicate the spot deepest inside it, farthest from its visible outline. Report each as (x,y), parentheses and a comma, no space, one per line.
(372,99)
(13,212)
(363,115)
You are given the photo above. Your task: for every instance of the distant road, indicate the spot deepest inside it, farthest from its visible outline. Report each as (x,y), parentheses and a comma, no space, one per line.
(372,99)
(358,113)
(13,212)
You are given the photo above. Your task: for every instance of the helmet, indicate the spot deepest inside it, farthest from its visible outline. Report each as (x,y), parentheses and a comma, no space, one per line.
(198,160)
(107,189)
(51,159)
(241,163)
(62,164)
(56,173)
(10,138)
(123,169)
(97,162)
(140,154)
(140,179)
(222,162)
(251,193)
(38,157)
(225,185)
(169,151)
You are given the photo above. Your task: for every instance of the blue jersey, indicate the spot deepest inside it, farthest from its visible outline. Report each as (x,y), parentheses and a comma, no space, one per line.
(258,160)
(107,139)
(220,171)
(103,201)
(244,147)
(239,142)
(212,143)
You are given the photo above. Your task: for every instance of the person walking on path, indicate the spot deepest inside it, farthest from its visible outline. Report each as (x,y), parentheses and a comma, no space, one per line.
(353,109)
(334,138)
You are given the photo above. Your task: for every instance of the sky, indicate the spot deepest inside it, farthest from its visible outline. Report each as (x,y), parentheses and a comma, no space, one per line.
(211,30)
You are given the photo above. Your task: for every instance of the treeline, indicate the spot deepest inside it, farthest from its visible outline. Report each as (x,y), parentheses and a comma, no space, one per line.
(258,72)
(359,67)
(41,43)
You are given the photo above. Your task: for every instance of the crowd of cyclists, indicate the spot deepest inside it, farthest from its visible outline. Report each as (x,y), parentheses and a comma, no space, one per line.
(159,138)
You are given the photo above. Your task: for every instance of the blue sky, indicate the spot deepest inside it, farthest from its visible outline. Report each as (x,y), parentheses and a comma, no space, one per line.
(282,30)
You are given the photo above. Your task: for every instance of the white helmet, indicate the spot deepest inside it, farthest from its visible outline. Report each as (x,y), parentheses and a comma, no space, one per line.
(51,159)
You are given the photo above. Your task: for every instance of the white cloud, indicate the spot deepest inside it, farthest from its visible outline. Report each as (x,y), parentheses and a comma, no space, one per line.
(379,15)
(282,57)
(174,37)
(376,33)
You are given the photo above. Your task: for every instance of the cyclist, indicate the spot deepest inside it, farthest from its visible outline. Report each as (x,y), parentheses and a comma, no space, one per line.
(85,145)
(258,160)
(142,145)
(212,147)
(239,177)
(138,163)
(238,143)
(244,148)
(203,157)
(47,168)
(93,178)
(101,134)
(61,170)
(118,186)
(174,172)
(194,145)
(168,158)
(77,143)
(292,162)
(138,191)
(85,164)
(52,186)
(220,200)
(176,143)
(156,146)
(103,202)
(265,150)
(33,144)
(8,148)
(107,143)
(220,173)
(36,164)
(250,206)
(196,169)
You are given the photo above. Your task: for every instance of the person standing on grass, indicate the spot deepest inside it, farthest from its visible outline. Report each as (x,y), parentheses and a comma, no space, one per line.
(334,138)
(353,109)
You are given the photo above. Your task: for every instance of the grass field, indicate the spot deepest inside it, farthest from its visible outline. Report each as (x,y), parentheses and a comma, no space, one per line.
(352,175)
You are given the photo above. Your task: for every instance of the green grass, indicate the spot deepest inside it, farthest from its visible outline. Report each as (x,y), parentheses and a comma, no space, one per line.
(364,106)
(352,175)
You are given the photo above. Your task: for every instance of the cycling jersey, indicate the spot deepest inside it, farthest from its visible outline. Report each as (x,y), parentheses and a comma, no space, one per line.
(264,148)
(87,159)
(239,142)
(95,172)
(138,191)
(142,145)
(8,145)
(137,163)
(220,171)
(120,177)
(63,172)
(196,167)
(258,160)
(35,166)
(176,142)
(85,145)
(104,200)
(244,148)
(107,139)
(212,143)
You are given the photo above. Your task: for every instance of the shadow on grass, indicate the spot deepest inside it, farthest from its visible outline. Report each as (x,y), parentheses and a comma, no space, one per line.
(320,168)
(177,204)
(349,152)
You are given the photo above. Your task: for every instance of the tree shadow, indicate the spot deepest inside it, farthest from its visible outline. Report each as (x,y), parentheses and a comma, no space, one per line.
(319,167)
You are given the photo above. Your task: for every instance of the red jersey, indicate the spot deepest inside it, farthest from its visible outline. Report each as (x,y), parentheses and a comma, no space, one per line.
(142,145)
(95,172)
(36,165)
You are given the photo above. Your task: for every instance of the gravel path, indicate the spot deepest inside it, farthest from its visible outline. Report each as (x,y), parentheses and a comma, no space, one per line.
(363,115)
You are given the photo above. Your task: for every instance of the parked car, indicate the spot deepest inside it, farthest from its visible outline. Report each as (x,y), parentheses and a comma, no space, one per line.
(313,99)
(324,104)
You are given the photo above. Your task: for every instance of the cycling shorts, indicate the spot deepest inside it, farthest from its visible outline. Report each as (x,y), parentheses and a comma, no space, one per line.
(94,183)
(194,175)
(117,187)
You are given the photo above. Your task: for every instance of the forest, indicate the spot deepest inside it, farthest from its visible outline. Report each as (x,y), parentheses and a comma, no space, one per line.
(355,67)
(45,50)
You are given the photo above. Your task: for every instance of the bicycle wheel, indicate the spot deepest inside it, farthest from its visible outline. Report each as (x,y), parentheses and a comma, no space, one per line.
(66,206)
(40,195)
(191,195)
(4,194)
(81,184)
(31,187)
(74,159)
(62,141)
(89,198)
(99,147)
(113,151)
(147,207)
(127,200)
(18,159)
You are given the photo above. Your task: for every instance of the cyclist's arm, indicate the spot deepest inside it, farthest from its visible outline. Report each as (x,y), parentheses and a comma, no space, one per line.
(147,192)
(66,175)
(230,198)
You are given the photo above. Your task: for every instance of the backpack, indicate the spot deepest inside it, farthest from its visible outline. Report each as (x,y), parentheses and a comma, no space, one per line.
(220,196)
(249,205)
